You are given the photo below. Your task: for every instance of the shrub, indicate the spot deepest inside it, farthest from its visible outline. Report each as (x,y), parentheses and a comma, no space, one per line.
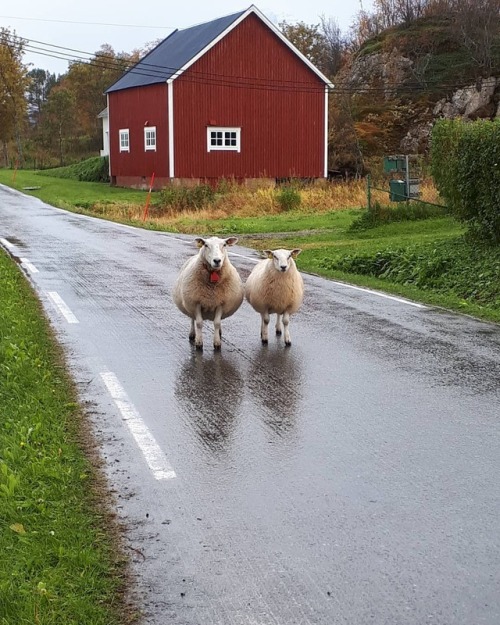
(288,199)
(379,215)
(187,198)
(466,169)
(451,266)
(95,169)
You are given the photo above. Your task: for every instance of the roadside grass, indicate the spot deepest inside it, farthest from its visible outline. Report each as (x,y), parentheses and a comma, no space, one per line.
(69,194)
(60,559)
(340,241)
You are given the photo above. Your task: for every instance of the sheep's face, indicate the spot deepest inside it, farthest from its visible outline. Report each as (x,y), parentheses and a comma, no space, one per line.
(282,259)
(214,251)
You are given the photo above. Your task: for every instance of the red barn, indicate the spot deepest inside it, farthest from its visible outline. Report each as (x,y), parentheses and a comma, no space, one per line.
(231,98)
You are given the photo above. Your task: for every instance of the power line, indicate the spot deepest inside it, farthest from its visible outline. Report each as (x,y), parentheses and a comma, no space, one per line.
(39,19)
(158,71)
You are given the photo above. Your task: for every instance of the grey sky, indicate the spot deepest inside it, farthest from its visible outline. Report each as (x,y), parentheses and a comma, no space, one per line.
(127,25)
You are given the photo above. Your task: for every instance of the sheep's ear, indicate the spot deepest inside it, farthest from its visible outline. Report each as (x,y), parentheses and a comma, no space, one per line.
(294,253)
(232,240)
(268,253)
(200,242)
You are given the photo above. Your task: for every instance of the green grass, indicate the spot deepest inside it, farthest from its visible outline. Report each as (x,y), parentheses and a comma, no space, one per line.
(289,222)
(67,193)
(59,563)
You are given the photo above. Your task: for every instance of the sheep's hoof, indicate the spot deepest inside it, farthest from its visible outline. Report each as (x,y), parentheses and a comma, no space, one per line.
(278,332)
(199,348)
(288,343)
(264,341)
(217,348)
(191,338)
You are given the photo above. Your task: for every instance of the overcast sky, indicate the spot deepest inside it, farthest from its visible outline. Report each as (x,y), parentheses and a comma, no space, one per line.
(125,25)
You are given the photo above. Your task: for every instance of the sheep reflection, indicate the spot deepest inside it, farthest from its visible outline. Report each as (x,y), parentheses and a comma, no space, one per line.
(275,381)
(211,389)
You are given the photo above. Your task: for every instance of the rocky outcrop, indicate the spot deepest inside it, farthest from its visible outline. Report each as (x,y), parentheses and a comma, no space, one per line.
(480,101)
(386,71)
(399,86)
(416,140)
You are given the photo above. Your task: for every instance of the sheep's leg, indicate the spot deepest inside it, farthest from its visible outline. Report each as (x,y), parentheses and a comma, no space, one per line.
(264,327)
(192,332)
(286,321)
(278,325)
(198,340)
(217,328)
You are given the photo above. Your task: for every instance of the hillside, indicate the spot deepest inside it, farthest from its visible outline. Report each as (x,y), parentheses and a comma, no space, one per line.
(401,81)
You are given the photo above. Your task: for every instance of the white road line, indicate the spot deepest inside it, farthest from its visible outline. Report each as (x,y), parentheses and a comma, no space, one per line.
(62,307)
(254,260)
(29,265)
(152,452)
(380,294)
(7,244)
(350,286)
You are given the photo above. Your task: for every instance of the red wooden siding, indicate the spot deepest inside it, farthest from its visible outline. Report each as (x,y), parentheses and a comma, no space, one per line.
(134,109)
(282,123)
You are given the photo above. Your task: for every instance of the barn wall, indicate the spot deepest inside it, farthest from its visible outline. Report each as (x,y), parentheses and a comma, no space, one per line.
(280,109)
(134,109)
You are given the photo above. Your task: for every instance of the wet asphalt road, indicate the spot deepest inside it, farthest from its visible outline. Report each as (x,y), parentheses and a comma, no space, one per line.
(353,478)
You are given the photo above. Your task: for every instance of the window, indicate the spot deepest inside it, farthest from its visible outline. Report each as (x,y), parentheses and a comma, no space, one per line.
(150,138)
(124,140)
(223,139)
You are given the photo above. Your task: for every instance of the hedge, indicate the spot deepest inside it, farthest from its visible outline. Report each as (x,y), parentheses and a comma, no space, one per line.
(465,164)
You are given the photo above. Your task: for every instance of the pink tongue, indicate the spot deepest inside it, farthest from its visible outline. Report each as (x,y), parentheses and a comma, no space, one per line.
(214,276)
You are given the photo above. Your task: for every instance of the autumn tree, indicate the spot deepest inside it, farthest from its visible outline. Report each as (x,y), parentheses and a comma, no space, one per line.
(307,38)
(365,25)
(13,83)
(88,82)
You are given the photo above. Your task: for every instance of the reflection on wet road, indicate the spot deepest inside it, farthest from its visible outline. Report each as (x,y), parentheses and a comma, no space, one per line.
(349,479)
(209,391)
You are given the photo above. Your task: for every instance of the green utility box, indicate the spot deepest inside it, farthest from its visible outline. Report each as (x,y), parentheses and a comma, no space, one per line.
(394,163)
(398,190)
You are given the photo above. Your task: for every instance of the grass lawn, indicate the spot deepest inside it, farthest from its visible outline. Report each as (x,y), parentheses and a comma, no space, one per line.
(60,562)
(66,193)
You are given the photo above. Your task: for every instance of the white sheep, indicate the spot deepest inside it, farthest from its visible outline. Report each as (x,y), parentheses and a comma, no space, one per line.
(275,286)
(208,287)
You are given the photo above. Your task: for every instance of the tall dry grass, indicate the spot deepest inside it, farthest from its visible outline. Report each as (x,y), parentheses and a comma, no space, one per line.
(239,201)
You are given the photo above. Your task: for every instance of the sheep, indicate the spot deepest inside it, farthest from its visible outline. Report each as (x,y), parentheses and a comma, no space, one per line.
(208,287)
(275,286)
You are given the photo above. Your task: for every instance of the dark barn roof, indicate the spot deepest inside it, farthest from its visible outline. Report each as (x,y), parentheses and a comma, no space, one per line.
(173,53)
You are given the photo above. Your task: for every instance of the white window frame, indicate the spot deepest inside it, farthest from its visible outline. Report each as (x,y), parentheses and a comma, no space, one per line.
(225,139)
(150,139)
(124,139)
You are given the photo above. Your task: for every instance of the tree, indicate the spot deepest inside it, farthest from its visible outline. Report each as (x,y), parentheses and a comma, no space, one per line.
(13,83)
(88,82)
(477,25)
(308,39)
(59,115)
(40,84)
(333,46)
(396,12)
